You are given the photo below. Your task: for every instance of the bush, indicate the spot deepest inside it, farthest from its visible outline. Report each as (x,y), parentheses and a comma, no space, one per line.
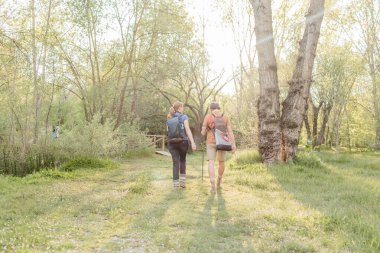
(96,139)
(86,139)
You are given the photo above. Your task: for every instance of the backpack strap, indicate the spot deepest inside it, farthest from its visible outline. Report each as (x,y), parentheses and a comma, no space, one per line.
(213,121)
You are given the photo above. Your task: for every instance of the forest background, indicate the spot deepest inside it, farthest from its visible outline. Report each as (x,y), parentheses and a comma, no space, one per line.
(106,73)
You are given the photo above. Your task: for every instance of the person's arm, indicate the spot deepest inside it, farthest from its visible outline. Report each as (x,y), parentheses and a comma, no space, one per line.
(231,135)
(190,135)
(204,126)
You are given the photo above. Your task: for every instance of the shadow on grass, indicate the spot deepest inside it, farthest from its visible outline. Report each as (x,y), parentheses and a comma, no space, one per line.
(146,227)
(349,205)
(217,231)
(56,212)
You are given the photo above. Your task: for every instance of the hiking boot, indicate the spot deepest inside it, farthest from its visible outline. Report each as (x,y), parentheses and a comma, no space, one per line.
(182,181)
(175,184)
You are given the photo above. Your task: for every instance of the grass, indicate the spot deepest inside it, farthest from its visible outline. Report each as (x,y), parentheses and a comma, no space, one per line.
(324,203)
(87,162)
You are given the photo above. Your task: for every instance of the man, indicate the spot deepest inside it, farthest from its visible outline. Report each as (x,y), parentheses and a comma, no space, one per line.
(212,153)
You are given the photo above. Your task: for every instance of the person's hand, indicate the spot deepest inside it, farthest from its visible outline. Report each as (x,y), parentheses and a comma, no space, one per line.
(193,147)
(233,149)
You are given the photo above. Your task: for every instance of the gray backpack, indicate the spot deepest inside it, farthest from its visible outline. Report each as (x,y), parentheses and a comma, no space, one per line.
(176,129)
(222,139)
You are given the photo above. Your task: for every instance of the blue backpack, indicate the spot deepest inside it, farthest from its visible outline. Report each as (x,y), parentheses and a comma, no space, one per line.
(176,129)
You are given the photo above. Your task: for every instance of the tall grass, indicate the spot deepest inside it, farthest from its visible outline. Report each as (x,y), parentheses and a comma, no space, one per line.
(19,161)
(244,159)
(84,140)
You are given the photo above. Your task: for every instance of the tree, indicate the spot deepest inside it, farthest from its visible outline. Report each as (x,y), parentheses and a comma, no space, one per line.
(364,17)
(279,134)
(337,70)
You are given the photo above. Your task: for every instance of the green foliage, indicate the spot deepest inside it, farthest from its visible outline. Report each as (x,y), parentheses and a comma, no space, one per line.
(132,140)
(89,139)
(99,139)
(87,163)
(86,139)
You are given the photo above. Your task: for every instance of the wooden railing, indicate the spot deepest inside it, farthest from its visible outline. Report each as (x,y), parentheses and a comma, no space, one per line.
(158,140)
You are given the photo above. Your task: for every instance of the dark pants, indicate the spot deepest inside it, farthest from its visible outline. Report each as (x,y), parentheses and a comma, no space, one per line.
(178,152)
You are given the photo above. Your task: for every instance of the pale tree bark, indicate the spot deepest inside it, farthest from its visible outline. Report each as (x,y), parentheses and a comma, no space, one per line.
(294,106)
(268,104)
(43,78)
(316,110)
(36,93)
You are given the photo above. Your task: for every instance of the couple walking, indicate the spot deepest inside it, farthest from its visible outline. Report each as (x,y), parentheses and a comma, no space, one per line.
(178,121)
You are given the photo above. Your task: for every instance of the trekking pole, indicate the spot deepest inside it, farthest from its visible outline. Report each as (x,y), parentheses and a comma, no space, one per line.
(203,159)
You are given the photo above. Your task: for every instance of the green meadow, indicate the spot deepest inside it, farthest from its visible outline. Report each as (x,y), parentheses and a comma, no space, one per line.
(324,202)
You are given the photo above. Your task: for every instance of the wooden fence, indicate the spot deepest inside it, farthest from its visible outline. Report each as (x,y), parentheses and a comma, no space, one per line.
(158,140)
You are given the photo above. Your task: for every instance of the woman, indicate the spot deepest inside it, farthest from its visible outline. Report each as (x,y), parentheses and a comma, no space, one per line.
(212,153)
(178,146)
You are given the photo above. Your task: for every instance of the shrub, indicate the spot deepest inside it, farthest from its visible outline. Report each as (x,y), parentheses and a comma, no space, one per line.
(97,139)
(86,139)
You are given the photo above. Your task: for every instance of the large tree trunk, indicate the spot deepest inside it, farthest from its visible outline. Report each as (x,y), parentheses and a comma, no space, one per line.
(268,104)
(294,106)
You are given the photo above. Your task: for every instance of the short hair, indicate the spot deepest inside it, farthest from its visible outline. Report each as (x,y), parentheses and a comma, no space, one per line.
(214,105)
